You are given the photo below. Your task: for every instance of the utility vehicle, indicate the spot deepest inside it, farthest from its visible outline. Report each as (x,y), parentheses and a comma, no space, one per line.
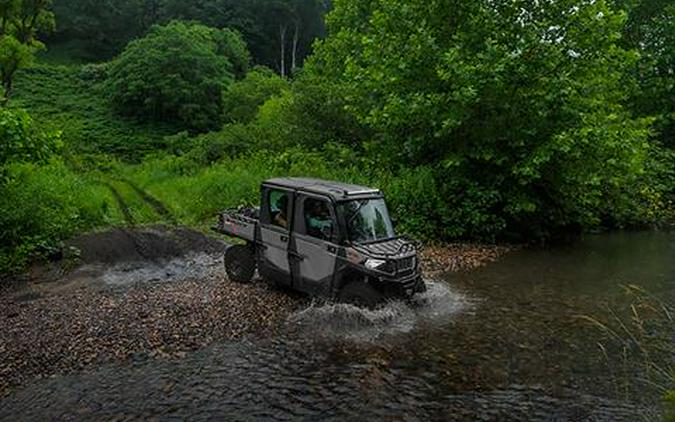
(323,238)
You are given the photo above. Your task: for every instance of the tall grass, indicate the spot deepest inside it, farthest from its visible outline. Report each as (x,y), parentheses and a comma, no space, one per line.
(194,194)
(42,205)
(642,332)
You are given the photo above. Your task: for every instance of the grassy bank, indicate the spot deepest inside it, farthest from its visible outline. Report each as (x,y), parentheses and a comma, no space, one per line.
(70,98)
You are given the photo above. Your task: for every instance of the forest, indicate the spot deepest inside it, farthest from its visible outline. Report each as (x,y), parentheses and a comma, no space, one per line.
(494,121)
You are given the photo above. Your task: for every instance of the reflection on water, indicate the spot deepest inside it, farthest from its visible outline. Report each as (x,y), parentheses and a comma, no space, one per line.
(501,343)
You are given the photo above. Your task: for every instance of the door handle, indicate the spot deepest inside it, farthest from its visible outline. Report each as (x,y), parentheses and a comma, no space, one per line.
(296,256)
(284,238)
(332,249)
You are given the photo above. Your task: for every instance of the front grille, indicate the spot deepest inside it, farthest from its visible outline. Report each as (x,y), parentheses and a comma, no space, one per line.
(406,263)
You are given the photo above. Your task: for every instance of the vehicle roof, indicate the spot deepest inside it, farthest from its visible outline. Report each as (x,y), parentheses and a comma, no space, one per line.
(336,190)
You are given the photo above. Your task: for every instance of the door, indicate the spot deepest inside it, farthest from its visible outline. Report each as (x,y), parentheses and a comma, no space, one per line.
(314,252)
(275,222)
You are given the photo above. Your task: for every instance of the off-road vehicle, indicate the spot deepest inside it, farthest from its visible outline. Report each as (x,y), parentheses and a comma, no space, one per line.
(324,238)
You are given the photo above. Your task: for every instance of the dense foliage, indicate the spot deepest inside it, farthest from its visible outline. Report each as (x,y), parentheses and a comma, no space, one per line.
(650,29)
(42,205)
(242,99)
(177,73)
(479,120)
(20,23)
(87,123)
(517,109)
(276,31)
(23,141)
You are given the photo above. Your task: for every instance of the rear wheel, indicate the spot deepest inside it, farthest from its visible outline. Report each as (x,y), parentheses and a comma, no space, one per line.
(240,263)
(360,293)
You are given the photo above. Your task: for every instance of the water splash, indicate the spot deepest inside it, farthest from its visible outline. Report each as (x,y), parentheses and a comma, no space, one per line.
(347,322)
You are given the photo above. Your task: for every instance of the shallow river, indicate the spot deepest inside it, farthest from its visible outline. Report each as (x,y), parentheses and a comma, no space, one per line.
(507,342)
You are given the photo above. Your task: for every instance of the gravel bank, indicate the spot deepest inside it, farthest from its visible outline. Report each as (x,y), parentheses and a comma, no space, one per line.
(151,293)
(443,258)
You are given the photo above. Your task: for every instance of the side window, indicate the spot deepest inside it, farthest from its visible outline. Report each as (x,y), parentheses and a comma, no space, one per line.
(278,203)
(318,219)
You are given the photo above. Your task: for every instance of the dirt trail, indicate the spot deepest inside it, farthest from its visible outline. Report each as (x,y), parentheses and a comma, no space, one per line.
(123,201)
(153,202)
(121,204)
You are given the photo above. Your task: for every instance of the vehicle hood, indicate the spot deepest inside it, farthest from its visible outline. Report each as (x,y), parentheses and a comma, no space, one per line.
(392,248)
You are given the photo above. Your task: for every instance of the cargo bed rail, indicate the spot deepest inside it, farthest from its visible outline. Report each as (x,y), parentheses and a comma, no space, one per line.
(238,222)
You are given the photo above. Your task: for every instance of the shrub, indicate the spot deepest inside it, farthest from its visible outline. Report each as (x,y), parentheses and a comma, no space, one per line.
(94,72)
(43,205)
(242,99)
(209,148)
(177,73)
(22,140)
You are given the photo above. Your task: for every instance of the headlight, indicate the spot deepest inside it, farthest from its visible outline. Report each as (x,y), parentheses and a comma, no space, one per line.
(374,264)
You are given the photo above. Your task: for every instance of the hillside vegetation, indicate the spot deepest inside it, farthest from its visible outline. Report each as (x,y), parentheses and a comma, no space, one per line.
(485,121)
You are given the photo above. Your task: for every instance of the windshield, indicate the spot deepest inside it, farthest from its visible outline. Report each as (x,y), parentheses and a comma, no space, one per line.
(367,220)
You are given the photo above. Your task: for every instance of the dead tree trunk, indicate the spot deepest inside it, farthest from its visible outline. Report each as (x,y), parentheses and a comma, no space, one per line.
(282,41)
(294,53)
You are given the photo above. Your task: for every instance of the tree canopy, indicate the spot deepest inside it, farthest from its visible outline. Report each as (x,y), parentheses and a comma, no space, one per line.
(261,22)
(650,29)
(177,73)
(517,106)
(20,23)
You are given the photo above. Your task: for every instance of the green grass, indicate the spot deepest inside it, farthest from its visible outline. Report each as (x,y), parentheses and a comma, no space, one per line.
(45,204)
(70,98)
(170,189)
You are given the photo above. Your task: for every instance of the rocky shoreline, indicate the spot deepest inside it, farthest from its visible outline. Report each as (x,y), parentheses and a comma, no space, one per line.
(167,296)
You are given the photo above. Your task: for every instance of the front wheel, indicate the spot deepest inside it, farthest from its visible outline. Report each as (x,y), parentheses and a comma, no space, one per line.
(239,263)
(362,294)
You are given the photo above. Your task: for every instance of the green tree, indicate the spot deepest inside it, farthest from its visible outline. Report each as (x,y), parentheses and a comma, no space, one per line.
(104,27)
(177,74)
(20,23)
(650,29)
(242,99)
(96,23)
(516,105)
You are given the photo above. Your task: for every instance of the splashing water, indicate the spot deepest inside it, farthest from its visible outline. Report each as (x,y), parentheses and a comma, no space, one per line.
(347,322)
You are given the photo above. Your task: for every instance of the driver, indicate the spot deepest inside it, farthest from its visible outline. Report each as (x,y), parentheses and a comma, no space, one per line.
(318,219)
(281,219)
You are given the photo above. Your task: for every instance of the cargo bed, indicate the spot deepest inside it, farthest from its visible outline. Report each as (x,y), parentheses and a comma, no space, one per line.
(239,222)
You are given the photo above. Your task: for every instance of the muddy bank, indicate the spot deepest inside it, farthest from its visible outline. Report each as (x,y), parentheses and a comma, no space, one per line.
(130,295)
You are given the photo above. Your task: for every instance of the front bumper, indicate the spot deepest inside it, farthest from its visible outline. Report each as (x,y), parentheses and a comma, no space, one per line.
(405,287)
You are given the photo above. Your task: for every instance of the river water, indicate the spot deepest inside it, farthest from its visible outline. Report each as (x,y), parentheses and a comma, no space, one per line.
(511,341)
